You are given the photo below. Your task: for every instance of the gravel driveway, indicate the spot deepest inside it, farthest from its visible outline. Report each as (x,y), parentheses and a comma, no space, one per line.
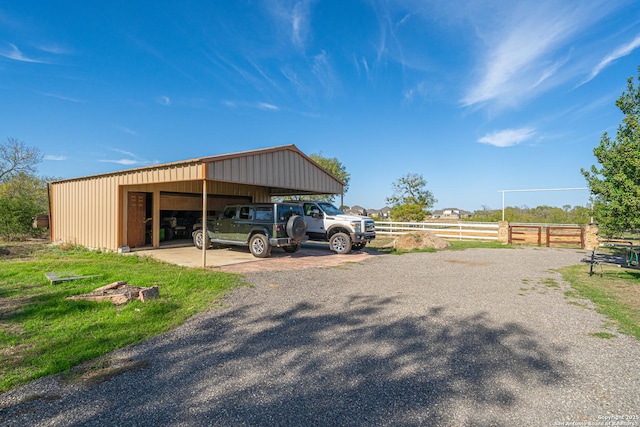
(464,338)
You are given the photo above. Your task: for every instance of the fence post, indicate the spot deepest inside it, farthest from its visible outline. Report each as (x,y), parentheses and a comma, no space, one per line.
(548,233)
(503,232)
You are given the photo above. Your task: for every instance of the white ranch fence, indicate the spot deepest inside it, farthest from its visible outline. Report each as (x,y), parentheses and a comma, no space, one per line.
(453,230)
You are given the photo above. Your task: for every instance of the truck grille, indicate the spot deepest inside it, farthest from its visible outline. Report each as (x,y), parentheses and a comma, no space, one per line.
(369,226)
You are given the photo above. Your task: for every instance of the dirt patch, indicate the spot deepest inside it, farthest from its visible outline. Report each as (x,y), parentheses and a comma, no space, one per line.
(21,250)
(420,240)
(100,370)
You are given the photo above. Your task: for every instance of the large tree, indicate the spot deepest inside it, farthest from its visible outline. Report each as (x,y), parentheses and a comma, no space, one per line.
(615,185)
(22,194)
(17,158)
(411,200)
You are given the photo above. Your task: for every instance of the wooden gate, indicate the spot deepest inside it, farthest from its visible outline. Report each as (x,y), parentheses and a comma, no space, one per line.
(553,235)
(565,235)
(525,234)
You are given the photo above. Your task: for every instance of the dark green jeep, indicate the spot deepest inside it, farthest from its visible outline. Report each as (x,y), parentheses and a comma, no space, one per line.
(260,226)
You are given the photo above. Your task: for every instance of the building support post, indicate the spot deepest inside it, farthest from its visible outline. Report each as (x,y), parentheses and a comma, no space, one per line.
(156,221)
(205,234)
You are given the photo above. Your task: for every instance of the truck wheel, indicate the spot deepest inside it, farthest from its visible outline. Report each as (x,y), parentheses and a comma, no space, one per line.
(259,246)
(291,248)
(357,246)
(296,227)
(340,243)
(198,238)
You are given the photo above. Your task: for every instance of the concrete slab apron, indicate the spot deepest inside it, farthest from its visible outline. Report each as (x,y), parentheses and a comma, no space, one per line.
(240,260)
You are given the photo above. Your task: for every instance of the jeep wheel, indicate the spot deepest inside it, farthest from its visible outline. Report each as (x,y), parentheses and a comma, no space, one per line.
(198,238)
(291,248)
(259,246)
(340,243)
(168,233)
(357,246)
(296,227)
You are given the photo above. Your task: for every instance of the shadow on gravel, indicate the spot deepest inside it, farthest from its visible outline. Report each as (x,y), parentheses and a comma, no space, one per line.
(298,367)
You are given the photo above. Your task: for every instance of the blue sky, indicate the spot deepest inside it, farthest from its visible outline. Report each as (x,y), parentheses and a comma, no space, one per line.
(476,96)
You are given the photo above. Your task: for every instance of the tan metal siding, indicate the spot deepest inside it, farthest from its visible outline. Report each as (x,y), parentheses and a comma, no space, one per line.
(85,212)
(281,169)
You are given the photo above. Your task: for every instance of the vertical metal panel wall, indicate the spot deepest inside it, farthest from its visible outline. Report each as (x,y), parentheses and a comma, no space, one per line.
(87,211)
(283,168)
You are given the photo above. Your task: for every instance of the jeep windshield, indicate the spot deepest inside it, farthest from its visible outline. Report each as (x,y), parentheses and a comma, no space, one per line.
(329,209)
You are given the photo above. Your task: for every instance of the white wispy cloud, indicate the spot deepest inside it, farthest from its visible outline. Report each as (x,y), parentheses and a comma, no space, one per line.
(262,74)
(127,130)
(507,137)
(163,100)
(130,160)
(53,48)
(323,71)
(619,52)
(151,50)
(292,19)
(126,153)
(266,106)
(12,52)
(300,23)
(418,91)
(257,105)
(54,157)
(362,64)
(62,97)
(126,162)
(294,78)
(526,48)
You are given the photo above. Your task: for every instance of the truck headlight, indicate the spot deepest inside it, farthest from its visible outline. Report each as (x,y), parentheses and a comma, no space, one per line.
(357,227)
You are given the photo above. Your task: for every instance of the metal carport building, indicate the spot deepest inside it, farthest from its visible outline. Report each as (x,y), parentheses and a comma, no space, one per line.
(111,210)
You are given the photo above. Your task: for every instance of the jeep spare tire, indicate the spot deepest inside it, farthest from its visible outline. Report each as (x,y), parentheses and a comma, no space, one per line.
(296,227)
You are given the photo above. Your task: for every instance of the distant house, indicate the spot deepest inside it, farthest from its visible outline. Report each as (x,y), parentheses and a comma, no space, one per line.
(356,210)
(379,213)
(385,212)
(450,213)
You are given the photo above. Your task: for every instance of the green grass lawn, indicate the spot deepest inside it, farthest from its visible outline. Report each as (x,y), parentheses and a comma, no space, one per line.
(616,293)
(41,332)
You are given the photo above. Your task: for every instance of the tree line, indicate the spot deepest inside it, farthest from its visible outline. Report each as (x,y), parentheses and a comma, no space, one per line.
(541,214)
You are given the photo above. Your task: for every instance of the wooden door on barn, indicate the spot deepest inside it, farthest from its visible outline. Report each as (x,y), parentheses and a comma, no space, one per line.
(136,219)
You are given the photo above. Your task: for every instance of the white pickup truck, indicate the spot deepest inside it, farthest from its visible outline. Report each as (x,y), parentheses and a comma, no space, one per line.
(344,232)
